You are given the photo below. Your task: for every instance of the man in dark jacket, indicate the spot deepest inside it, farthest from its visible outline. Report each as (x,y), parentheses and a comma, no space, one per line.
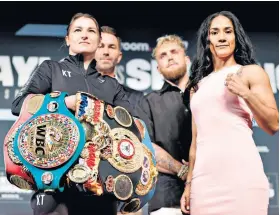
(108,55)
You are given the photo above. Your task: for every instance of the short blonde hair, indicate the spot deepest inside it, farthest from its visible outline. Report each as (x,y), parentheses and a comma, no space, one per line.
(173,38)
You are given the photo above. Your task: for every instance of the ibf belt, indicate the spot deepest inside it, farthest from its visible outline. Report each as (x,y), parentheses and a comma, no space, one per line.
(49,142)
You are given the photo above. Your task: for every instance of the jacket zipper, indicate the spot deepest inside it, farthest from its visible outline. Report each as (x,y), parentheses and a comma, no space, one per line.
(87,85)
(85,77)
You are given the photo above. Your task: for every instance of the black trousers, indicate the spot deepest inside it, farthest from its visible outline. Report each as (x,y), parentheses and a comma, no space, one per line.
(72,203)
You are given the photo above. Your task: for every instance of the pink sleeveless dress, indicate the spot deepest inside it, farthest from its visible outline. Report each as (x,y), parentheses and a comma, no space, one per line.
(228,176)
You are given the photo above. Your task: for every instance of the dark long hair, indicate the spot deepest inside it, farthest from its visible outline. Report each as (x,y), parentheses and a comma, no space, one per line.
(202,64)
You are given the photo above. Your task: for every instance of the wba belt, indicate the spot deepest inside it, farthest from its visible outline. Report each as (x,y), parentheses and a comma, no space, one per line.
(101,149)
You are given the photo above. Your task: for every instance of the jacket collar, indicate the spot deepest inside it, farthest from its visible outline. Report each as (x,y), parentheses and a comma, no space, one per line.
(78,60)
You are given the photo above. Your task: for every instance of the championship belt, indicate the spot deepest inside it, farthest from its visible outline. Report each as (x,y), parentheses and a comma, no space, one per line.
(102,150)
(118,158)
(48,143)
(143,186)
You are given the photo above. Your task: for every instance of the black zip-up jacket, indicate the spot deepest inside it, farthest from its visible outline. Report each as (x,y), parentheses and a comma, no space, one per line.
(70,76)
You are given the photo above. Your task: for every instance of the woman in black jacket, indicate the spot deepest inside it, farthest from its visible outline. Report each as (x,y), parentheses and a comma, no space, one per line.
(75,73)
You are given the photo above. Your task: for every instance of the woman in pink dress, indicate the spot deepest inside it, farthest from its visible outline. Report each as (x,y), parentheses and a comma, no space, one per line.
(228,89)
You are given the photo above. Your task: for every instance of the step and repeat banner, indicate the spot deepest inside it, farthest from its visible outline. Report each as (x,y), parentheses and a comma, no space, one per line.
(19,56)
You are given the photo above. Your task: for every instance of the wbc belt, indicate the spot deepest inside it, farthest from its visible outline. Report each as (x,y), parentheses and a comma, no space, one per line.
(48,143)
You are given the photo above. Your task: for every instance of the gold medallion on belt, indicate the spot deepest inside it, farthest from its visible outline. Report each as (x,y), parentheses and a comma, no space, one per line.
(10,148)
(48,140)
(120,114)
(123,187)
(127,155)
(20,182)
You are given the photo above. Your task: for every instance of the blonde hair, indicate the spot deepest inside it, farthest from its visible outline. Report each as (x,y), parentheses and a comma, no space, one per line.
(173,38)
